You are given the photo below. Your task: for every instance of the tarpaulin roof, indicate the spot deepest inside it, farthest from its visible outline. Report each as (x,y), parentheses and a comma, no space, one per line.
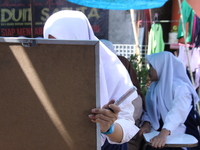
(121,4)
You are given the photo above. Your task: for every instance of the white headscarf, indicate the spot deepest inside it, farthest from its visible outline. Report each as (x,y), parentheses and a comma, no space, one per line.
(171,73)
(74,25)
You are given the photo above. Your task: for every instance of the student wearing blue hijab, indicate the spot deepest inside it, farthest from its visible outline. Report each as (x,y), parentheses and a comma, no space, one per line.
(170,100)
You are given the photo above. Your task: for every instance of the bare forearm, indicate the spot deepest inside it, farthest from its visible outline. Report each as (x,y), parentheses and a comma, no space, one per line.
(160,140)
(117,135)
(165,132)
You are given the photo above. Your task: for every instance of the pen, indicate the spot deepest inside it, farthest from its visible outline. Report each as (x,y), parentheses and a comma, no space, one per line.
(124,96)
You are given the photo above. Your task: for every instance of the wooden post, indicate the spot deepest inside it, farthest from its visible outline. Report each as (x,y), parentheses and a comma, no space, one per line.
(32,18)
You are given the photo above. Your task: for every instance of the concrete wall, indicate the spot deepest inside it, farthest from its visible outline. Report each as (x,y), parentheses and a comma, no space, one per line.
(120,27)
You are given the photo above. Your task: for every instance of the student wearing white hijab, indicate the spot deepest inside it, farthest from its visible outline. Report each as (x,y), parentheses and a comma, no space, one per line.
(170,100)
(114,78)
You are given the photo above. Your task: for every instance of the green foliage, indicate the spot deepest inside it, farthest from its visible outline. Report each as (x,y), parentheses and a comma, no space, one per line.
(139,64)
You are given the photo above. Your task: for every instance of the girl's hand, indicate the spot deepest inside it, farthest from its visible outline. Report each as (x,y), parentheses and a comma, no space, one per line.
(146,128)
(104,116)
(160,140)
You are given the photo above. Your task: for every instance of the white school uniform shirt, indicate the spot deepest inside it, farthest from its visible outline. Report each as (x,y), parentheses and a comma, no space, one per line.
(114,78)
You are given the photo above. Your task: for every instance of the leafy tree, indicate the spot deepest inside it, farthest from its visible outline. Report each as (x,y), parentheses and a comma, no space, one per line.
(140,66)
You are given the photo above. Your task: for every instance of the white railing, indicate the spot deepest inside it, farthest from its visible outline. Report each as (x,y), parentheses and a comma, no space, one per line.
(127,50)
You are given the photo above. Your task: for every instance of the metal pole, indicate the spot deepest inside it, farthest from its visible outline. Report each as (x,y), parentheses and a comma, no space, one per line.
(135,32)
(184,33)
(188,57)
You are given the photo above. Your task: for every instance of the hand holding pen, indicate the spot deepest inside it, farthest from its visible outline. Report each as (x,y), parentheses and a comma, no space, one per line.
(104,116)
(109,112)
